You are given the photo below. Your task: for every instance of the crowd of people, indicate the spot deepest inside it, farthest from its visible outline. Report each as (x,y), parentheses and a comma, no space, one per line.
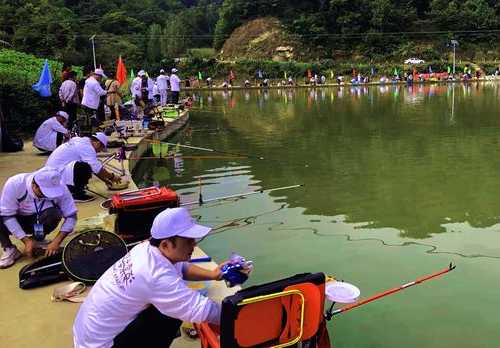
(142,299)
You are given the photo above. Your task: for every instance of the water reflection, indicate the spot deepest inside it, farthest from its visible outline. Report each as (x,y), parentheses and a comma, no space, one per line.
(413,158)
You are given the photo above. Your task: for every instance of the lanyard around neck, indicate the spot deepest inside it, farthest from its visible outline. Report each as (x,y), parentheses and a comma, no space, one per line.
(38,209)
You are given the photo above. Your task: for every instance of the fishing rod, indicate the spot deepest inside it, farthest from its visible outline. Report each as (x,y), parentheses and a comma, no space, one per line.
(186,157)
(195,260)
(106,204)
(239,195)
(206,149)
(330,313)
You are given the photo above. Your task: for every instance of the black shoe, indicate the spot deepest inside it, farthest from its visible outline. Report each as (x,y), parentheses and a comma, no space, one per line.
(82,197)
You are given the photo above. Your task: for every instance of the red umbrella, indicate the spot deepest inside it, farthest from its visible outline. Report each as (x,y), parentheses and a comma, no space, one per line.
(121,71)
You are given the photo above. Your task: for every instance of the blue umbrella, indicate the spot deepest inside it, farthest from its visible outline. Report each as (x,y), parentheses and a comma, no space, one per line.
(43,85)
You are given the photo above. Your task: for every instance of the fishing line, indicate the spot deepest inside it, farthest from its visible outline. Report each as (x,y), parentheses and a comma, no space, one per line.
(432,248)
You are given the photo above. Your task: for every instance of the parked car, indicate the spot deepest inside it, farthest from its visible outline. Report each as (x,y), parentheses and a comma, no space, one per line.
(414,61)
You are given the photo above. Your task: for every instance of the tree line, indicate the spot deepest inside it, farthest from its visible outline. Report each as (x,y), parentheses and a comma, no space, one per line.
(150,33)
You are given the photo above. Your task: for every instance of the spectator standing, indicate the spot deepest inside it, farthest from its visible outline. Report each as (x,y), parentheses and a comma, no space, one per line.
(69,97)
(92,93)
(162,82)
(175,86)
(114,97)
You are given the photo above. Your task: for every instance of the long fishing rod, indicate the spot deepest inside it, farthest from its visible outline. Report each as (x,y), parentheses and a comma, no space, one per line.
(239,195)
(206,149)
(107,202)
(330,313)
(195,260)
(186,157)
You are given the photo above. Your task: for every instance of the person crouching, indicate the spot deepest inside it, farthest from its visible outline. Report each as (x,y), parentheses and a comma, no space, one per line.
(141,300)
(31,206)
(52,132)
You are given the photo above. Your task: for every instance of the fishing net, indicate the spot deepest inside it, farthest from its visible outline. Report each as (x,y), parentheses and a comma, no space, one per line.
(88,255)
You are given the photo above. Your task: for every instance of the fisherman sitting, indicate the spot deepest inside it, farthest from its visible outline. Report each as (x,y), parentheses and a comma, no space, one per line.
(52,132)
(142,299)
(77,160)
(31,206)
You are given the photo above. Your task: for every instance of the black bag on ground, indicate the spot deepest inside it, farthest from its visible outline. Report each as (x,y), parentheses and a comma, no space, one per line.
(11,143)
(48,270)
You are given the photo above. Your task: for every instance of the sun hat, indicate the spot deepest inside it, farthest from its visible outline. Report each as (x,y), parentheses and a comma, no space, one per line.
(177,222)
(103,139)
(62,114)
(100,72)
(141,73)
(49,181)
(174,70)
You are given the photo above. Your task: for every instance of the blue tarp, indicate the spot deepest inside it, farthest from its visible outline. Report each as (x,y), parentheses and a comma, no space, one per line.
(43,85)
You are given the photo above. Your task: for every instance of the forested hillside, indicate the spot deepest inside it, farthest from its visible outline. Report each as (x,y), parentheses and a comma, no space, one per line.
(147,32)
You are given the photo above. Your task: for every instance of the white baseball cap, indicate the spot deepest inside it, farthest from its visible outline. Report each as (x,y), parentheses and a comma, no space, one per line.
(174,70)
(62,114)
(49,181)
(177,222)
(102,138)
(162,71)
(141,73)
(99,71)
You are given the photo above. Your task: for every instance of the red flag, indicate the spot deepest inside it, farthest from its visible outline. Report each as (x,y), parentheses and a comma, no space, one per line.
(121,71)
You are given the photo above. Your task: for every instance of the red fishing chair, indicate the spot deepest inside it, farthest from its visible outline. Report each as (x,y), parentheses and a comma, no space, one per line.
(277,314)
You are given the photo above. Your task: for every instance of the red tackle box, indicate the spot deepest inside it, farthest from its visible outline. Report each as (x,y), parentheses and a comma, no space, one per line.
(137,209)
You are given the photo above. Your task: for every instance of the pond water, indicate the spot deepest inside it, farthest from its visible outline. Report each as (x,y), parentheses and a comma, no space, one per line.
(399,182)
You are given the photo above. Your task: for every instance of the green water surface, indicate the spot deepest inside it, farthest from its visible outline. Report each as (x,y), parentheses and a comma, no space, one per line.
(399,182)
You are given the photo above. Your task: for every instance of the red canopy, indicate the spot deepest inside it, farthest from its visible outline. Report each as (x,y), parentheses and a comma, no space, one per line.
(121,71)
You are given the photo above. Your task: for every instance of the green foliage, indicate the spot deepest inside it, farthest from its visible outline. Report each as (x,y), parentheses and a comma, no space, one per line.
(24,108)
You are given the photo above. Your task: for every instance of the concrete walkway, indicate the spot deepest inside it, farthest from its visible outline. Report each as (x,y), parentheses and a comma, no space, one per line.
(28,318)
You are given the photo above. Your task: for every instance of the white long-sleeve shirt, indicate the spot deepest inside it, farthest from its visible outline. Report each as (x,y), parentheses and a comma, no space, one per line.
(135,87)
(161,80)
(92,92)
(46,135)
(18,198)
(68,92)
(141,278)
(77,149)
(175,83)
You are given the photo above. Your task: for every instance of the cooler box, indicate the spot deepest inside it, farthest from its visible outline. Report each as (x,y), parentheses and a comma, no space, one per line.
(136,211)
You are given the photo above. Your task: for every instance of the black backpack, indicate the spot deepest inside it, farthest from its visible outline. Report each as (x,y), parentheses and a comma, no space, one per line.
(11,143)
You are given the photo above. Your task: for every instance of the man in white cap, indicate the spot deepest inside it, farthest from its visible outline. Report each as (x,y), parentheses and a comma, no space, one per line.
(92,93)
(52,132)
(141,300)
(136,92)
(175,86)
(31,206)
(162,82)
(77,160)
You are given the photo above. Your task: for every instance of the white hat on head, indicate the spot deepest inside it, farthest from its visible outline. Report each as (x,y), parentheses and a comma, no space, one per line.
(100,72)
(141,73)
(102,138)
(177,222)
(162,71)
(174,70)
(62,114)
(49,181)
